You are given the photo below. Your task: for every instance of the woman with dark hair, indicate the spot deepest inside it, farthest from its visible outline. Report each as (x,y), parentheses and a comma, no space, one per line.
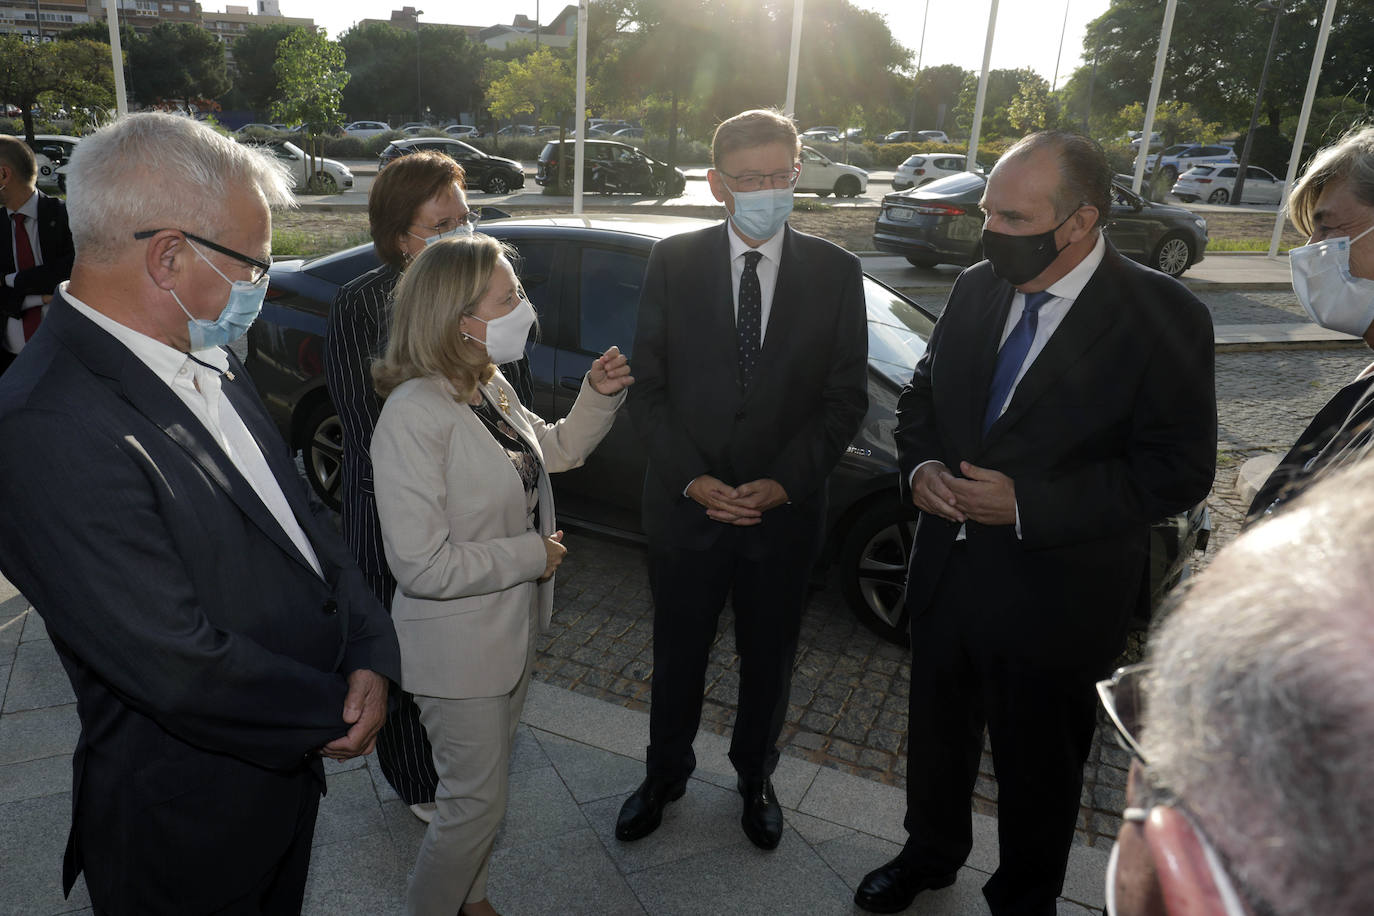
(468,522)
(415,200)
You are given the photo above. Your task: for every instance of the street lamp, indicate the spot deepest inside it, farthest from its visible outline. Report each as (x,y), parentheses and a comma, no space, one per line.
(915,82)
(1264,6)
(419,108)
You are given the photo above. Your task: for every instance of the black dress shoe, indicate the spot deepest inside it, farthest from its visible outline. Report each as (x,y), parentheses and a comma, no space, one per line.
(891,889)
(762,818)
(643,810)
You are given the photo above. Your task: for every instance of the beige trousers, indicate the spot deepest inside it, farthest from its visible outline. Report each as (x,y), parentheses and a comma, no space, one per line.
(472,742)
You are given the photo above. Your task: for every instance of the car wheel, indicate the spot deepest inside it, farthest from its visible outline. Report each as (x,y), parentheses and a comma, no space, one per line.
(921,260)
(324,183)
(323,450)
(873,563)
(1219,196)
(847,186)
(497,184)
(1172,255)
(822,193)
(658,186)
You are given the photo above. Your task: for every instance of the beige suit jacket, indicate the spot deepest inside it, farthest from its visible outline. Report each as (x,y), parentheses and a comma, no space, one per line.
(452,509)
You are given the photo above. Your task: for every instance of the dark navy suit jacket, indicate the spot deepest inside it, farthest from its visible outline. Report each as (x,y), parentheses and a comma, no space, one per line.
(208,658)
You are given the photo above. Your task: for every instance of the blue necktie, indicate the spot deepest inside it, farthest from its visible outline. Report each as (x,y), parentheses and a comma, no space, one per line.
(1012,355)
(750,319)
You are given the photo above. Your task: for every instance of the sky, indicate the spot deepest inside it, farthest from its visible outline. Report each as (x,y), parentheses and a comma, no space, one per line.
(1028,31)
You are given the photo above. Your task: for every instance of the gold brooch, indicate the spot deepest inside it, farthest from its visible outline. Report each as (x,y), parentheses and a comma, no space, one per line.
(503,401)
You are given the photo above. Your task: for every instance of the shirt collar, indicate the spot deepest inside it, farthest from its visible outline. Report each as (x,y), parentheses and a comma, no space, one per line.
(771,249)
(29,208)
(1071,284)
(164,361)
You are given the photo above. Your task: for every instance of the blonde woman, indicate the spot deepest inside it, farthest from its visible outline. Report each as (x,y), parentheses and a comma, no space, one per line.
(462,481)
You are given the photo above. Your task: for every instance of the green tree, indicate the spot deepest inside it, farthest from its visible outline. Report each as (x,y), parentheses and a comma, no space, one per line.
(255,58)
(937,94)
(1032,108)
(75,73)
(848,56)
(178,61)
(310,82)
(542,85)
(1216,52)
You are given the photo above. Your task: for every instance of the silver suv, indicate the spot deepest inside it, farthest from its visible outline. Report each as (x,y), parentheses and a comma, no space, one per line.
(1179,158)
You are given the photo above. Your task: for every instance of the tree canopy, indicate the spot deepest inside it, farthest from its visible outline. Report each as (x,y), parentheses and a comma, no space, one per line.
(65,72)
(177,61)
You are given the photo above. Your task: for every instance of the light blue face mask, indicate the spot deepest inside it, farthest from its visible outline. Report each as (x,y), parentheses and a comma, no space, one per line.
(245,302)
(460,231)
(760,214)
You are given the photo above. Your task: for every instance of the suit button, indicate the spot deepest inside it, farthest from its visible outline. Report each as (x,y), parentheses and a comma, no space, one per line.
(330,607)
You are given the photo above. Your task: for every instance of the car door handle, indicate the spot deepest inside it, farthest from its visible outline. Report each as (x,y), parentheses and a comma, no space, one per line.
(571,382)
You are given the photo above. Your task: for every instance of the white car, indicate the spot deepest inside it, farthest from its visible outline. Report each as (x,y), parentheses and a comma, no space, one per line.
(934,136)
(924,168)
(462,131)
(329,170)
(366,129)
(821,176)
(1214,184)
(1173,162)
(51,151)
(821,135)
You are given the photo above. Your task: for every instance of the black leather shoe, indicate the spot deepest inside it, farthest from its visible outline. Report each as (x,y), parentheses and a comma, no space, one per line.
(762,818)
(643,810)
(891,889)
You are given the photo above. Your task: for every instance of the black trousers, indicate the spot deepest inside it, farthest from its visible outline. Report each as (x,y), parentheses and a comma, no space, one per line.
(279,892)
(1040,719)
(690,587)
(403,748)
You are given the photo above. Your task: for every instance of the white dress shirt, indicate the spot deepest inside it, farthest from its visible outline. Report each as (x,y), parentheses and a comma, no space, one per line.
(1065,291)
(198,388)
(14,327)
(767,270)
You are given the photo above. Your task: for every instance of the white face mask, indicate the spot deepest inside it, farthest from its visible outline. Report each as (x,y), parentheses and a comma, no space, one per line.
(1331,296)
(506,335)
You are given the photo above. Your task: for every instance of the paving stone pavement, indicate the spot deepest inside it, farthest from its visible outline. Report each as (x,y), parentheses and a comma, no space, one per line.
(850,688)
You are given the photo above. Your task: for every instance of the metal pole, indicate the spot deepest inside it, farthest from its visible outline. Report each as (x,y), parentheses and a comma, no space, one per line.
(920,52)
(116,58)
(419,106)
(1060,53)
(790,108)
(579,143)
(971,163)
(1237,192)
(536,25)
(1295,157)
(38,19)
(1165,32)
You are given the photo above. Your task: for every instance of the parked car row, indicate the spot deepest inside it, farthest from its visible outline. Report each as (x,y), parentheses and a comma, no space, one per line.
(924,168)
(583,276)
(942,223)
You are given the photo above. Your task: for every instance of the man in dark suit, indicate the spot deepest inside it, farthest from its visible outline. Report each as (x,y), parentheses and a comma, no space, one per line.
(1065,402)
(751,361)
(35,247)
(218,638)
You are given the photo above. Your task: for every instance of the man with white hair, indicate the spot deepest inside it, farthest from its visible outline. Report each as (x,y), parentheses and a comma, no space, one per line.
(1252,726)
(219,640)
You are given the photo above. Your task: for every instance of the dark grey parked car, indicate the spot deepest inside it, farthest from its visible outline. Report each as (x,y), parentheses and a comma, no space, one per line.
(609,166)
(484,173)
(583,276)
(940,223)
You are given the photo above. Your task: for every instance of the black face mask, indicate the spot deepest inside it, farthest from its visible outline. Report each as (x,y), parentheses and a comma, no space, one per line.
(1021,258)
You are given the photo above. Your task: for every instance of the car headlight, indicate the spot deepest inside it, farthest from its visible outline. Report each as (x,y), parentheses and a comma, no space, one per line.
(1200,223)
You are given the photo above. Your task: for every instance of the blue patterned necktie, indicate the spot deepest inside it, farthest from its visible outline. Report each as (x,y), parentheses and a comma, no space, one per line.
(749,322)
(1012,355)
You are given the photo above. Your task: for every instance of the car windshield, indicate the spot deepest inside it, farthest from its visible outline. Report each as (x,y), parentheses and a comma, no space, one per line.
(1199,171)
(897,332)
(913,161)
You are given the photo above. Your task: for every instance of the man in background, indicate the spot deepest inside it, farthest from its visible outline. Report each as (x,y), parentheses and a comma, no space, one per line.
(35,247)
